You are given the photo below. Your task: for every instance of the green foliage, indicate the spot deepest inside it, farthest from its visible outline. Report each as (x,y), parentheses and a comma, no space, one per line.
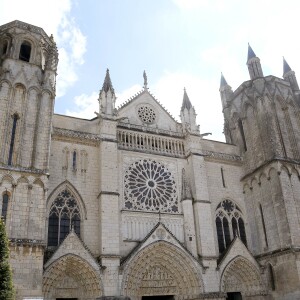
(6,285)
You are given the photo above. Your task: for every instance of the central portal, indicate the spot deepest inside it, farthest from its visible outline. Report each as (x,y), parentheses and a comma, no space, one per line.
(168,297)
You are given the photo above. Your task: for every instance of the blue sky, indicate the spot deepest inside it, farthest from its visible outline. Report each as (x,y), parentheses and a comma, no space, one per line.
(180,43)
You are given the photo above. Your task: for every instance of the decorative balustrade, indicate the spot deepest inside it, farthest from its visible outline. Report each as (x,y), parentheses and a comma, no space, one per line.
(130,140)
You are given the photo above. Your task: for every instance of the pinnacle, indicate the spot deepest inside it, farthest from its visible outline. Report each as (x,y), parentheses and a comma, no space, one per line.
(107,85)
(223,81)
(251,53)
(186,103)
(286,66)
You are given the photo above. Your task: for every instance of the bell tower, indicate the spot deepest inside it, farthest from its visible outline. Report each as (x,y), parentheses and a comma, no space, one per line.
(262,119)
(28,62)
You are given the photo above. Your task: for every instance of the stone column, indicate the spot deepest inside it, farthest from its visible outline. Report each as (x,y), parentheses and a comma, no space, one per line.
(109,224)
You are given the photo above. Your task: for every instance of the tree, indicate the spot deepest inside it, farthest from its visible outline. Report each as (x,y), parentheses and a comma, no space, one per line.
(6,285)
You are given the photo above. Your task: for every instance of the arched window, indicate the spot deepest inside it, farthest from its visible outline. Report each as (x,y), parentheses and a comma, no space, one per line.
(64,214)
(74,161)
(229,224)
(4,47)
(5,200)
(12,139)
(25,51)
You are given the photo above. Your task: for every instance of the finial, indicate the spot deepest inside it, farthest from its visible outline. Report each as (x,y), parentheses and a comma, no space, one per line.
(145,80)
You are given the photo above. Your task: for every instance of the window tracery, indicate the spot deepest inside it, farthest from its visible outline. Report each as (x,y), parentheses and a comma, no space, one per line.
(64,213)
(146,114)
(150,186)
(229,224)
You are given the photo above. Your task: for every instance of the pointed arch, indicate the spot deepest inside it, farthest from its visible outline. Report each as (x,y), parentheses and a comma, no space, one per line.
(62,279)
(162,268)
(22,179)
(241,275)
(229,220)
(8,178)
(65,211)
(70,187)
(39,182)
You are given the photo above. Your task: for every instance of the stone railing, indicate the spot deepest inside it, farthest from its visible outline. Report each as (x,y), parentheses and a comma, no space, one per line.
(151,129)
(137,141)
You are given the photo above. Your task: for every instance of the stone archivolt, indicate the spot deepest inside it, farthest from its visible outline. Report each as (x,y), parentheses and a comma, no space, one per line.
(85,282)
(162,269)
(241,275)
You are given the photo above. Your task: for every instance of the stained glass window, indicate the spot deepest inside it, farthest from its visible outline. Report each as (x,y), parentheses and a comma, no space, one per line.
(229,224)
(150,186)
(64,214)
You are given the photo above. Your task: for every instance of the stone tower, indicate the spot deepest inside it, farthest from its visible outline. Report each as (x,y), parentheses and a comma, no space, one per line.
(28,61)
(262,119)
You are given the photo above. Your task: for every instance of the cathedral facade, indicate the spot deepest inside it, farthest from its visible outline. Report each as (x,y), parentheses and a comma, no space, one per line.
(135,205)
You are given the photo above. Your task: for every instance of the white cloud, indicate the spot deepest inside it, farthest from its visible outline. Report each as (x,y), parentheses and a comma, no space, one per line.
(203,94)
(54,19)
(86,106)
(168,90)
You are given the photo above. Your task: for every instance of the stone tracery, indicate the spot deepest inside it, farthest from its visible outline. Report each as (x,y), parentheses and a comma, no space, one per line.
(150,186)
(146,114)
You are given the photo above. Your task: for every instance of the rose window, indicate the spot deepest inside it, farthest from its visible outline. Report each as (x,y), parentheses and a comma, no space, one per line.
(146,114)
(150,186)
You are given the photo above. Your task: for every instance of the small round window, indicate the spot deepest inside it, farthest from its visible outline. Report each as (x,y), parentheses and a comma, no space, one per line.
(146,114)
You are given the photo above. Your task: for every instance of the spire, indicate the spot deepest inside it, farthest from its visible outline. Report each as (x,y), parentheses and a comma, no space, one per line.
(289,75)
(186,103)
(188,115)
(107,97)
(254,66)
(251,53)
(223,81)
(286,67)
(107,85)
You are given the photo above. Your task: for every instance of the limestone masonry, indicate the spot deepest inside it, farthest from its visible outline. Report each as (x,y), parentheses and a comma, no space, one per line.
(133,204)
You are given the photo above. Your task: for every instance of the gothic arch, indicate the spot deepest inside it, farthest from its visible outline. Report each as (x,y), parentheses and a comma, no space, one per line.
(8,178)
(241,275)
(70,187)
(62,279)
(161,269)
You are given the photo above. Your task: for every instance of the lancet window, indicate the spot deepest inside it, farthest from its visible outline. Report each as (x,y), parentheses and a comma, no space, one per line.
(229,224)
(64,214)
(5,200)
(74,161)
(12,139)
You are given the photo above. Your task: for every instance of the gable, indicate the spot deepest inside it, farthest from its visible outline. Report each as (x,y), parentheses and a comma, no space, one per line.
(145,110)
(73,245)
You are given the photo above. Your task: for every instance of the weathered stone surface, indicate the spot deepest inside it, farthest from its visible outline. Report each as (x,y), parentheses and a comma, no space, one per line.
(142,194)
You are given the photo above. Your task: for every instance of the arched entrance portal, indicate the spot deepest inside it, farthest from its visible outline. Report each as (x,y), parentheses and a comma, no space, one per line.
(71,277)
(240,279)
(161,271)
